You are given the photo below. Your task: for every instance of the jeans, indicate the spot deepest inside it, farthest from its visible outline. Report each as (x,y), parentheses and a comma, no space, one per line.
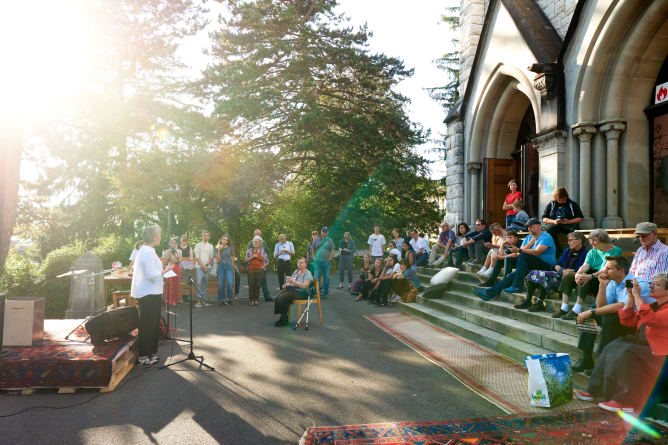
(421,258)
(202,282)
(345,263)
(283,269)
(265,288)
(322,270)
(526,263)
(225,281)
(461,254)
(478,250)
(508,265)
(510,219)
(149,324)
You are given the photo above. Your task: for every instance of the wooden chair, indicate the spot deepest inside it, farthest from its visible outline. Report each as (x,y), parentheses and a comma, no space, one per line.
(315,299)
(123,295)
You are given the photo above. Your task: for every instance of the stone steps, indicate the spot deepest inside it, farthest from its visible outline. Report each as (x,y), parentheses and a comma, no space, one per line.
(497,324)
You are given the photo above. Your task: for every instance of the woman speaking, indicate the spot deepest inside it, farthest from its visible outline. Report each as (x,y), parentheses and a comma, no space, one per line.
(147,289)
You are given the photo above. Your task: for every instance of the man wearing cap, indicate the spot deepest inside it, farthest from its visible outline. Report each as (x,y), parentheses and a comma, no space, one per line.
(536,253)
(651,258)
(376,244)
(324,254)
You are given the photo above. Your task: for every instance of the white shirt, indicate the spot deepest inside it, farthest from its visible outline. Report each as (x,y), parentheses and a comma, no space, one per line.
(133,255)
(421,243)
(396,268)
(284,246)
(203,251)
(396,252)
(377,242)
(146,273)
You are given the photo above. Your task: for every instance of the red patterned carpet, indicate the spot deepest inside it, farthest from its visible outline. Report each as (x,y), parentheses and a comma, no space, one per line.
(591,426)
(57,361)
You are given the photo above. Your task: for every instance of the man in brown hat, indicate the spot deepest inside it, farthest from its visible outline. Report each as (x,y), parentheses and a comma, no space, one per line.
(651,258)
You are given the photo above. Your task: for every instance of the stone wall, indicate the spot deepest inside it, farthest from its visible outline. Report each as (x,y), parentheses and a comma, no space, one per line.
(559,13)
(472,15)
(454,179)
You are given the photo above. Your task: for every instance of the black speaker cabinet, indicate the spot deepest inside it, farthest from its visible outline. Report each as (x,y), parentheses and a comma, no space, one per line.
(111,324)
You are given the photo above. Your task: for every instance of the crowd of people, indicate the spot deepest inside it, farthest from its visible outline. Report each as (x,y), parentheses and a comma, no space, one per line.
(628,296)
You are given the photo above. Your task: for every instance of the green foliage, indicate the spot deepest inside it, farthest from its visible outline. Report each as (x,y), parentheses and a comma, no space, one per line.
(112,248)
(22,276)
(448,94)
(57,290)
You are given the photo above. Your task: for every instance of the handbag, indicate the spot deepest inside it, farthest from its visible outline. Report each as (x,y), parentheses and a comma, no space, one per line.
(550,380)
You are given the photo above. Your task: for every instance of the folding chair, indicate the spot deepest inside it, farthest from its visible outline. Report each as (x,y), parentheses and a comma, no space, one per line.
(313,298)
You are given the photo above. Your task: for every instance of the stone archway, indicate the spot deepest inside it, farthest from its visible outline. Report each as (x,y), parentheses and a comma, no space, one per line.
(497,117)
(616,84)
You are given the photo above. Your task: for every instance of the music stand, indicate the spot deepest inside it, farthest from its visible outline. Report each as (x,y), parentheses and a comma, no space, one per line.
(191,355)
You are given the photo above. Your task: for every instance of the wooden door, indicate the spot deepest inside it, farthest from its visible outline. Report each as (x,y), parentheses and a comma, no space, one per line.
(529,180)
(496,175)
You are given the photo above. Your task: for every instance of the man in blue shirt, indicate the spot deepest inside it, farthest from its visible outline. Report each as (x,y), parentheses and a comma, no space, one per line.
(475,243)
(536,253)
(612,295)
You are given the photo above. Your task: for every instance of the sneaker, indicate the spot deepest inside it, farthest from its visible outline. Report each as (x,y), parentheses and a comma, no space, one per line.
(482,271)
(570,315)
(153,360)
(483,295)
(526,304)
(144,361)
(538,306)
(583,396)
(559,314)
(512,289)
(281,322)
(226,303)
(615,406)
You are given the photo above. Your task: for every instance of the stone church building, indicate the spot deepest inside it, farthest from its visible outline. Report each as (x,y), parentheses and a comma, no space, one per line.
(561,93)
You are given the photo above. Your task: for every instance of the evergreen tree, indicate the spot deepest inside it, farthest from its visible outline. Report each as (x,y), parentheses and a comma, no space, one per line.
(448,94)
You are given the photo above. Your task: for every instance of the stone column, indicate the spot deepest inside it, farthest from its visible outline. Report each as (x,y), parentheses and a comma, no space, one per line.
(551,147)
(585,131)
(474,170)
(454,178)
(612,129)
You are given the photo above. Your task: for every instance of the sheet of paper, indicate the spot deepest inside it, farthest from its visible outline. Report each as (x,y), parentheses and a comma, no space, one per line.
(169,274)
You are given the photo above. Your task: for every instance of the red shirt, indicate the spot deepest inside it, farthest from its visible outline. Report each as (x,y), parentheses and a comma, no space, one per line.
(657,325)
(511,198)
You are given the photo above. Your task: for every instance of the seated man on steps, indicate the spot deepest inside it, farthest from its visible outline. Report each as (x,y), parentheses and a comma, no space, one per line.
(475,242)
(610,298)
(445,240)
(505,258)
(536,253)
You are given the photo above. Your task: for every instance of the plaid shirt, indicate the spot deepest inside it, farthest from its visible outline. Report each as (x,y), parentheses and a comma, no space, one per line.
(445,236)
(647,263)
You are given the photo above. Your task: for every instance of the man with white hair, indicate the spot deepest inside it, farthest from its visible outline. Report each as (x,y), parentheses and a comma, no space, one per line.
(283,251)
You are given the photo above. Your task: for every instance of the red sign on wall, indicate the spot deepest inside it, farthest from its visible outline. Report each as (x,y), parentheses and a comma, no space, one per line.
(661,93)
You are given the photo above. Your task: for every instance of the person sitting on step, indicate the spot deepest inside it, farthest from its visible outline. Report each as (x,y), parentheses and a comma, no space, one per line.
(562,215)
(521,218)
(537,252)
(421,247)
(475,242)
(295,287)
(459,249)
(498,237)
(548,281)
(405,283)
(505,258)
(651,258)
(611,296)
(584,280)
(629,367)
(442,247)
(383,286)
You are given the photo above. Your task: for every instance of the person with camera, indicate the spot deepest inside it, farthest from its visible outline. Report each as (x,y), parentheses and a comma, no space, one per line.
(295,288)
(627,371)
(613,292)
(562,215)
(505,258)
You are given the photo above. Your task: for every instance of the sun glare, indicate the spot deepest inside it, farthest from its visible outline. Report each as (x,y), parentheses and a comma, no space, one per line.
(47,48)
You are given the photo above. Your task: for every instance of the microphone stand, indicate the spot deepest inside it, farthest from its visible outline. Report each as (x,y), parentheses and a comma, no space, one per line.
(191,355)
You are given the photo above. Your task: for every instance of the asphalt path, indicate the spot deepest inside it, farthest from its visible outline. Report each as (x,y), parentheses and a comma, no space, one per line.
(269,385)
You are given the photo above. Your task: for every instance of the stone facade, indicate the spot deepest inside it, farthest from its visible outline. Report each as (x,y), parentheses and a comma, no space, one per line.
(559,13)
(454,179)
(472,15)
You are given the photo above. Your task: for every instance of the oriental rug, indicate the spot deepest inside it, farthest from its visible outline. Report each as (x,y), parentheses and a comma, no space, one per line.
(61,360)
(489,374)
(590,426)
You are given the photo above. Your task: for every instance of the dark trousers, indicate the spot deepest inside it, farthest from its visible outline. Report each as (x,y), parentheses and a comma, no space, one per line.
(149,324)
(478,250)
(254,283)
(283,301)
(611,329)
(381,293)
(554,230)
(265,288)
(508,265)
(421,258)
(345,264)
(461,254)
(283,269)
(526,263)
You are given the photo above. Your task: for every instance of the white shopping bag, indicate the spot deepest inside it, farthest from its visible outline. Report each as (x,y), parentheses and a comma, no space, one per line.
(550,379)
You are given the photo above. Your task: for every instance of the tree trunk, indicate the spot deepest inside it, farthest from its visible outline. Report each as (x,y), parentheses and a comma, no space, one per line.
(10,168)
